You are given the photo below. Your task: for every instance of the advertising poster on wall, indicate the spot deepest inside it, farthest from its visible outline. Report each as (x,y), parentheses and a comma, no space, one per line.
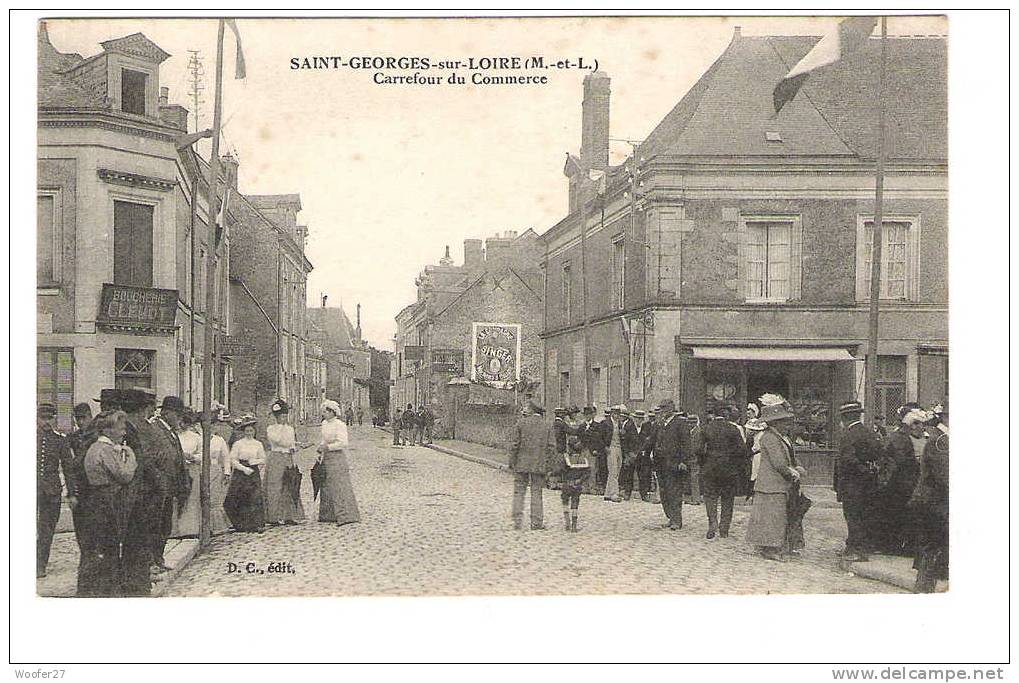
(495,353)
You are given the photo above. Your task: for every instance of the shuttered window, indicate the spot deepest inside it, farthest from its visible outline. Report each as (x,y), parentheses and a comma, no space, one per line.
(132,91)
(132,244)
(769,257)
(567,294)
(45,253)
(618,273)
(899,252)
(55,383)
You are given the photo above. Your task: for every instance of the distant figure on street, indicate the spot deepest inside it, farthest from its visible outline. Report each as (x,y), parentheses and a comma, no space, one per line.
(410,421)
(672,450)
(533,444)
(348,416)
(360,416)
(427,419)
(397,427)
(857,480)
(338,503)
(53,456)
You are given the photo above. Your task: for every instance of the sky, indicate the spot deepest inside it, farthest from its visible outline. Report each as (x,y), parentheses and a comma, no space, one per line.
(389,175)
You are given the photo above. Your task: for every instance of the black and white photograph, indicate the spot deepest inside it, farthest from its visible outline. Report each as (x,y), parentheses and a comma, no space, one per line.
(479,307)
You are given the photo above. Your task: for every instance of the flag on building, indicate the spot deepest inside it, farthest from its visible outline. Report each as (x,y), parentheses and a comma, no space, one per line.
(850,34)
(240,71)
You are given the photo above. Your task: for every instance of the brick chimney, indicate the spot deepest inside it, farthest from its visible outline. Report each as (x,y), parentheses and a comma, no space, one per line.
(594,139)
(173,115)
(474,254)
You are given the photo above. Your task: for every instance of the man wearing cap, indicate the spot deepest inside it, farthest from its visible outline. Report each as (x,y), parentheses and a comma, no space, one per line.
(530,459)
(620,437)
(169,458)
(859,451)
(592,445)
(672,449)
(52,456)
(721,450)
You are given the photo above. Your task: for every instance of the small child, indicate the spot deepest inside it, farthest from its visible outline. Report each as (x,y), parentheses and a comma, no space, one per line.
(573,469)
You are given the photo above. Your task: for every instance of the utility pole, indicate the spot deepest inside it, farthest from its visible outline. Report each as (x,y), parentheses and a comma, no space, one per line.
(197,84)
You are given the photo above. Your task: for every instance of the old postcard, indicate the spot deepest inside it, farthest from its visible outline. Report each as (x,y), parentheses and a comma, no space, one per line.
(492,306)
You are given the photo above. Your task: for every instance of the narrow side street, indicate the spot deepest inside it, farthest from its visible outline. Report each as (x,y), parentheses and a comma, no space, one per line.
(433,524)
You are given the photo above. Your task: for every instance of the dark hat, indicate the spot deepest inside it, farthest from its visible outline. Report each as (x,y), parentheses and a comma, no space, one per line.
(589,410)
(113,397)
(639,413)
(572,410)
(130,399)
(47,410)
(279,406)
(667,405)
(141,396)
(847,408)
(82,410)
(173,403)
(245,421)
(410,406)
(560,412)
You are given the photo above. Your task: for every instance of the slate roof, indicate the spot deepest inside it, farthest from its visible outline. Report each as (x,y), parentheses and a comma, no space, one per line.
(56,89)
(334,325)
(729,110)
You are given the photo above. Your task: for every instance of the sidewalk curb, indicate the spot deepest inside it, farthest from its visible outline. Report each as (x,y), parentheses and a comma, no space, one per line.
(876,572)
(177,559)
(467,456)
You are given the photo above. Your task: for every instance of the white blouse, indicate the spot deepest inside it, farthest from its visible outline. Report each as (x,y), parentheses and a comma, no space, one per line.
(282,438)
(220,452)
(334,435)
(248,450)
(191,444)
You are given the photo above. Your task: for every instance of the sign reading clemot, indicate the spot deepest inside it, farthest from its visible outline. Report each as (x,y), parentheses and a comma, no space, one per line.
(143,308)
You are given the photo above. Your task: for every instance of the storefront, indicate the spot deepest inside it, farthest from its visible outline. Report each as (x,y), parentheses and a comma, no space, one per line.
(813,380)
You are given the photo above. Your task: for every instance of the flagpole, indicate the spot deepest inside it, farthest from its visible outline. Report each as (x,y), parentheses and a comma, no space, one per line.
(210,282)
(870,396)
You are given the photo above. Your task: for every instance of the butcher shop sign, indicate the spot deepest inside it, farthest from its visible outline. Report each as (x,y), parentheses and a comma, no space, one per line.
(137,308)
(495,353)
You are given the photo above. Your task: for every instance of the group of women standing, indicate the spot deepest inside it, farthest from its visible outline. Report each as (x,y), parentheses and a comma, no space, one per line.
(265,487)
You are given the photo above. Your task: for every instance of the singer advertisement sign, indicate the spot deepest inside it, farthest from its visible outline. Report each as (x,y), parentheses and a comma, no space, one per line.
(495,353)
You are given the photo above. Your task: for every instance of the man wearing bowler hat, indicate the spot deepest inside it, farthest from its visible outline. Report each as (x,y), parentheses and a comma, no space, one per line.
(672,450)
(146,492)
(859,451)
(52,455)
(169,457)
(592,444)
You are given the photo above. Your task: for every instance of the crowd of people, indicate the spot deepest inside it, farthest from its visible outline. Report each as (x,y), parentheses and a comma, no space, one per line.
(132,480)
(893,488)
(413,428)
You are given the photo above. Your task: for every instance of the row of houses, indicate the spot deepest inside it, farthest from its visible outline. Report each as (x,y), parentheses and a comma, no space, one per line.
(124,246)
(729,256)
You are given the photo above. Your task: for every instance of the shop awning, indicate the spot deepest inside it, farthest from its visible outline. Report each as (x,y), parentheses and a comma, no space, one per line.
(765,353)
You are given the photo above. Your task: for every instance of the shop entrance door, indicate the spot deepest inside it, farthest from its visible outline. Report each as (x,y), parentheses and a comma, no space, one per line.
(766,380)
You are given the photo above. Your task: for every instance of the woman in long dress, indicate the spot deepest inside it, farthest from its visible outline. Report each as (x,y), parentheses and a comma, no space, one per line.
(338,502)
(282,478)
(774,483)
(244,503)
(187,518)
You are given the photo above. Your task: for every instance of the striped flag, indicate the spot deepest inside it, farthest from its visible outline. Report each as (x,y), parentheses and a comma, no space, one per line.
(239,71)
(832,47)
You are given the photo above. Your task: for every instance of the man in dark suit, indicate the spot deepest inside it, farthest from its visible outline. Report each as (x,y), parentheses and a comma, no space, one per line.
(146,493)
(646,438)
(562,429)
(859,451)
(169,458)
(620,437)
(52,456)
(720,448)
(592,444)
(672,449)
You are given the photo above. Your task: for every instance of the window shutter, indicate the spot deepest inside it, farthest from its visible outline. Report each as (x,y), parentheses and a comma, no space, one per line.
(796,260)
(862,261)
(132,244)
(45,235)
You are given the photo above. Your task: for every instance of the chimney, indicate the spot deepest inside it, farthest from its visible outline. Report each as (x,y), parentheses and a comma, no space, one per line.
(164,96)
(737,32)
(230,169)
(446,260)
(358,330)
(172,115)
(325,297)
(594,140)
(473,253)
(496,247)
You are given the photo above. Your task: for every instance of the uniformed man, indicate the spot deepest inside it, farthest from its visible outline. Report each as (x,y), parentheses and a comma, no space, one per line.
(859,451)
(721,450)
(79,441)
(671,452)
(53,457)
(169,457)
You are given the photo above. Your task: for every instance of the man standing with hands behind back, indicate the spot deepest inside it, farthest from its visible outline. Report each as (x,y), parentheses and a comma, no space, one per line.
(672,448)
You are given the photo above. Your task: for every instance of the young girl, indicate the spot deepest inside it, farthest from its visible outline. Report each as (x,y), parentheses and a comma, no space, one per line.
(573,469)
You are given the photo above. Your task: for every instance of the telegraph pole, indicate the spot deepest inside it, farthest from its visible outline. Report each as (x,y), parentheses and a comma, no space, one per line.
(197,84)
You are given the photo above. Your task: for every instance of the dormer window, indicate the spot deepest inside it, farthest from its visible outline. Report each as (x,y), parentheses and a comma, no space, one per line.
(132,91)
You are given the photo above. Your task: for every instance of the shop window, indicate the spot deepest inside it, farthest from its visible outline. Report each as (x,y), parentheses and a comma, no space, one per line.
(891,386)
(618,272)
(55,383)
(567,293)
(134,368)
(132,91)
(132,243)
(899,258)
(772,261)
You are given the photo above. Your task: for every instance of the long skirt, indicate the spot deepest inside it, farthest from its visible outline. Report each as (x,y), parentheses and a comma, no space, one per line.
(282,489)
(101,571)
(767,527)
(187,519)
(244,503)
(338,502)
(217,495)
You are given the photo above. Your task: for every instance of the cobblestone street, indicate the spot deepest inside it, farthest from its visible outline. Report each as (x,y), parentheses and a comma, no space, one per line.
(433,524)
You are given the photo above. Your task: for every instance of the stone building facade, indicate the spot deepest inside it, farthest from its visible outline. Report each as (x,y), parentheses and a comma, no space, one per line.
(729,256)
(346,355)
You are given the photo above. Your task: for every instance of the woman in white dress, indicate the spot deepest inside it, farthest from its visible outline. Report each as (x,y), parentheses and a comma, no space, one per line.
(244,503)
(338,502)
(282,478)
(188,518)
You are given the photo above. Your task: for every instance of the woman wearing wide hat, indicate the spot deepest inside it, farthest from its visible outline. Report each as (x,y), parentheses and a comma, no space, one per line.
(338,504)
(245,504)
(777,476)
(282,478)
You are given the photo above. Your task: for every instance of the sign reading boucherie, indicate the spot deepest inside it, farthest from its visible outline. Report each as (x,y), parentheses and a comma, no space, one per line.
(138,307)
